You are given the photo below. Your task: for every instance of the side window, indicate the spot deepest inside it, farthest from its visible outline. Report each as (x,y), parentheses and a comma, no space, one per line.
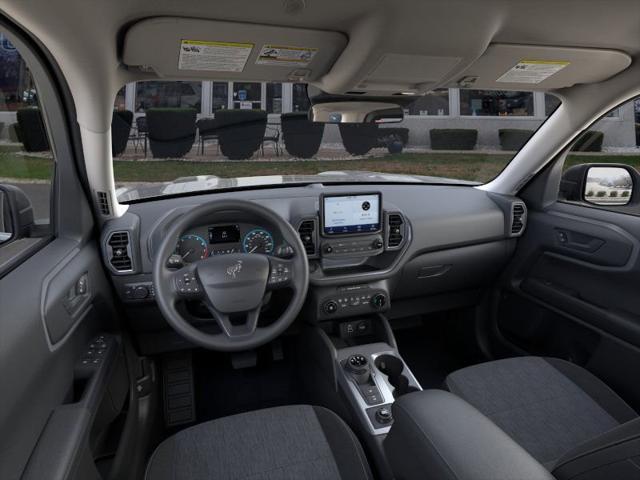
(602,168)
(26,160)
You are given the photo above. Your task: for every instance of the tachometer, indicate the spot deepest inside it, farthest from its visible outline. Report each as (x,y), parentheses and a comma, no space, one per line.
(191,248)
(258,241)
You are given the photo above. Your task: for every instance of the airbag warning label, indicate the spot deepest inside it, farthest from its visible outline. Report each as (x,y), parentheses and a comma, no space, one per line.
(532,71)
(285,56)
(213,56)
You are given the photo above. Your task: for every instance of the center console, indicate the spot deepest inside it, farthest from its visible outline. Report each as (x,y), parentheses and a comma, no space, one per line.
(372,377)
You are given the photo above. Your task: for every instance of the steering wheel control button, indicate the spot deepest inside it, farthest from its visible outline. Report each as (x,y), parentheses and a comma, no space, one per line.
(187,284)
(280,274)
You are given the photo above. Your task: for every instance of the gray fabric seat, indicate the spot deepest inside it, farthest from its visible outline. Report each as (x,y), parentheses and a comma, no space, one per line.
(293,442)
(548,406)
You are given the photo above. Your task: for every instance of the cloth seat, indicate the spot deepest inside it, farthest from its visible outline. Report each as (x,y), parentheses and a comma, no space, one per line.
(547,405)
(292,442)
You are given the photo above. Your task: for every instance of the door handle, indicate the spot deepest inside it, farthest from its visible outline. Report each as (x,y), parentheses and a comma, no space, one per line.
(578,241)
(78,295)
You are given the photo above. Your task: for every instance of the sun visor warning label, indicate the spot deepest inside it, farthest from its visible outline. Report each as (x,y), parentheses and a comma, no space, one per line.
(532,71)
(213,56)
(285,55)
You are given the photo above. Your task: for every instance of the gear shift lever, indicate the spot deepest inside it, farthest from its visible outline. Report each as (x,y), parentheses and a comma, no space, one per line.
(358,366)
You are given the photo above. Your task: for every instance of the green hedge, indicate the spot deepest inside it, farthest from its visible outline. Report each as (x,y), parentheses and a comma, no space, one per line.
(358,139)
(589,141)
(172,131)
(513,138)
(453,138)
(301,137)
(240,132)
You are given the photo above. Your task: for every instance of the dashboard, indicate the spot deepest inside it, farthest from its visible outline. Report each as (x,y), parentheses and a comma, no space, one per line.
(393,249)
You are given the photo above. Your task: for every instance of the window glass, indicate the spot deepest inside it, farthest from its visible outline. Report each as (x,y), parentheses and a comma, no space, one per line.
(166,94)
(18,89)
(193,152)
(120,102)
(219,96)
(433,103)
(551,102)
(489,103)
(26,160)
(605,142)
(274,98)
(247,96)
(301,101)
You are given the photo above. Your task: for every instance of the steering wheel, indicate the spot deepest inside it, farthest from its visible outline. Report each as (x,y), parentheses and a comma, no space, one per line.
(231,286)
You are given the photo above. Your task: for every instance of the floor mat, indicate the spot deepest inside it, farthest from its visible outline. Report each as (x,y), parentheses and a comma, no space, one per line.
(438,345)
(222,390)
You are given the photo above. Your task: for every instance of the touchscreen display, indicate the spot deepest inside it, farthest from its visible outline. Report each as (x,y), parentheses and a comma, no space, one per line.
(224,234)
(351,214)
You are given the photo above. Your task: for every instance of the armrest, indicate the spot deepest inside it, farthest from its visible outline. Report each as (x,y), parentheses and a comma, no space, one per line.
(439,435)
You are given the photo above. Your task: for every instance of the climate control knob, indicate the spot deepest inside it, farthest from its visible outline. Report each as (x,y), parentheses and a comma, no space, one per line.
(330,307)
(377,244)
(378,301)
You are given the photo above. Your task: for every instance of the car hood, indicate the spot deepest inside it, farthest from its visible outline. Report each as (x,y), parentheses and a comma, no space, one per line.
(127,192)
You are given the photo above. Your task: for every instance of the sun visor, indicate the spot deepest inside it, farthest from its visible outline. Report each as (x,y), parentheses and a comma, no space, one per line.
(526,67)
(209,49)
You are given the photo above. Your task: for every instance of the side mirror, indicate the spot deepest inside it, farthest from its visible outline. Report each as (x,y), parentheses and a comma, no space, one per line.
(356,112)
(599,184)
(16,213)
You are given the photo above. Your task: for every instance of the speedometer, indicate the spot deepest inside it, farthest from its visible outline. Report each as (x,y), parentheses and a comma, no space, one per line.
(258,241)
(191,248)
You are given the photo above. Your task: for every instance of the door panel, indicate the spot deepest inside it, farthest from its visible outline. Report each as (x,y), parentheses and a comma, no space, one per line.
(56,402)
(572,291)
(39,371)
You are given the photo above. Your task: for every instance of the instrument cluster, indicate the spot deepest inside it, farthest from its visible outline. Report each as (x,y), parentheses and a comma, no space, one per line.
(208,241)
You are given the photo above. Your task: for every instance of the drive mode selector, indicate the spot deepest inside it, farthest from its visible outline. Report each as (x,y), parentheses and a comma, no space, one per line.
(358,366)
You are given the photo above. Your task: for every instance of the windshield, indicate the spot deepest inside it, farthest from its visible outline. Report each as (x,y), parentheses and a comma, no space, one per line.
(176,137)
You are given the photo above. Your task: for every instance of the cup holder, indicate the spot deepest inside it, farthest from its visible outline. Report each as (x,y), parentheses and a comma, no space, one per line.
(393,367)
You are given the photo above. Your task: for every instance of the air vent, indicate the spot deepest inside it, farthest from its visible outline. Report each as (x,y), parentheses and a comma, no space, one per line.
(395,230)
(119,253)
(307,231)
(103,203)
(518,218)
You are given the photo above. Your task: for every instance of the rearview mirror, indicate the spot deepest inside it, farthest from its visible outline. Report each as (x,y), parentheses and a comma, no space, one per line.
(608,186)
(356,112)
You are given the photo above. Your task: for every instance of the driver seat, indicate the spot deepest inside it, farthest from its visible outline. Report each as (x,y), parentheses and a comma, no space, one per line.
(290,442)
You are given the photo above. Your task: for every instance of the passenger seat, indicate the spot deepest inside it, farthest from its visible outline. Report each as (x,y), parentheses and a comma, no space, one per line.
(564,416)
